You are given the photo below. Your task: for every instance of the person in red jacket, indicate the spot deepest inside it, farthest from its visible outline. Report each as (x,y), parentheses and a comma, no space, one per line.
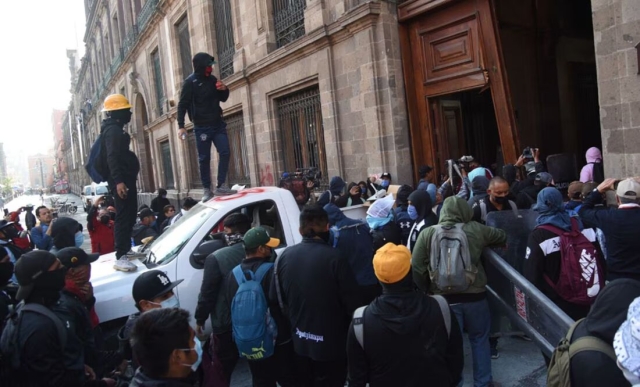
(100,226)
(22,241)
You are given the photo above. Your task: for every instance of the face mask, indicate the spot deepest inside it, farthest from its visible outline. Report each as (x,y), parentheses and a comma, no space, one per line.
(385,184)
(112,215)
(51,281)
(171,302)
(500,199)
(79,239)
(413,213)
(164,196)
(6,272)
(104,219)
(232,239)
(198,349)
(363,190)
(208,70)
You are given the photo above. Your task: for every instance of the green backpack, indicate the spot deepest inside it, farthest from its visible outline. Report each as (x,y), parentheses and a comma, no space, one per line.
(559,374)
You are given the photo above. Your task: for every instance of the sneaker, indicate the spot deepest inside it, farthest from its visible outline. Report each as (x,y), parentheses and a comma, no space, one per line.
(207,195)
(224,190)
(493,342)
(131,255)
(494,353)
(123,264)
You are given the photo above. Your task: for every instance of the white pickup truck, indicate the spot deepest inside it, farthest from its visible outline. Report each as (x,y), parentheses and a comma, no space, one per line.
(181,249)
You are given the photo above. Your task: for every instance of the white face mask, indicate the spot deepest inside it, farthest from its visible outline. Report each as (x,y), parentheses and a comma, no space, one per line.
(171,302)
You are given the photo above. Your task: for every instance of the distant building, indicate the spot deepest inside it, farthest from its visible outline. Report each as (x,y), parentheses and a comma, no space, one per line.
(60,169)
(41,169)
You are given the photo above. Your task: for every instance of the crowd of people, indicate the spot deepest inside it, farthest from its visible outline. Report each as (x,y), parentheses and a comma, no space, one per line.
(381,301)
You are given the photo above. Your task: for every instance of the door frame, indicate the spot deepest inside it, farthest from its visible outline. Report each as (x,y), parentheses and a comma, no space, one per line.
(421,94)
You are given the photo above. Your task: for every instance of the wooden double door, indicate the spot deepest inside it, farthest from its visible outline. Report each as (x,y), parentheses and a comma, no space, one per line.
(449,47)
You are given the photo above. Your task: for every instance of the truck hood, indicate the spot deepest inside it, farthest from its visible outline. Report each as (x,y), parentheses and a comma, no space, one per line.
(112,288)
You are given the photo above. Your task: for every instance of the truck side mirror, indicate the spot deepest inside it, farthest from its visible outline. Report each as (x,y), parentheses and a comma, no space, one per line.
(203,250)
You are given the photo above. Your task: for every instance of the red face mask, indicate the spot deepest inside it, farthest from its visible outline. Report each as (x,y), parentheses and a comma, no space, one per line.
(208,70)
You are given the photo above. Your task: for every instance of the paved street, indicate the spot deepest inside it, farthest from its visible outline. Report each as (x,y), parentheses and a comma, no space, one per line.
(520,363)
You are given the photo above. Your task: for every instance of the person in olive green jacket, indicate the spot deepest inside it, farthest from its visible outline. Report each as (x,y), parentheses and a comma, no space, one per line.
(470,307)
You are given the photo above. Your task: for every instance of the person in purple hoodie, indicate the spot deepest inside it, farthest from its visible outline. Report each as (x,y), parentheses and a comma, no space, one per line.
(593,171)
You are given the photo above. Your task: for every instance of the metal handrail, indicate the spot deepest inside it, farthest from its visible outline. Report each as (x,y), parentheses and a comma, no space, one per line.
(546,334)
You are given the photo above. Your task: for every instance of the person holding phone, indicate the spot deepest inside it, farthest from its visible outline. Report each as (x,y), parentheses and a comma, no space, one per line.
(200,97)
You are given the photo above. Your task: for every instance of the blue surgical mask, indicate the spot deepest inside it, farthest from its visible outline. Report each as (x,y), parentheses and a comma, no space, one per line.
(198,349)
(363,190)
(413,213)
(385,184)
(79,239)
(171,302)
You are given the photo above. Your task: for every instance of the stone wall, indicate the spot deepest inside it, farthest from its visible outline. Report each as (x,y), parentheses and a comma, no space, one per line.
(616,25)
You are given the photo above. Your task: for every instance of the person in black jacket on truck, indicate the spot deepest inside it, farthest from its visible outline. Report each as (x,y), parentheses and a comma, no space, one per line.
(200,97)
(123,168)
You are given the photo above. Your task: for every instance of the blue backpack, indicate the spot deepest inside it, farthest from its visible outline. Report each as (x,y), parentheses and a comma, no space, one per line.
(96,165)
(254,330)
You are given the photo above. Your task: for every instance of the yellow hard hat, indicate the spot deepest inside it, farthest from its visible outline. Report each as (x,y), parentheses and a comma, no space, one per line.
(116,102)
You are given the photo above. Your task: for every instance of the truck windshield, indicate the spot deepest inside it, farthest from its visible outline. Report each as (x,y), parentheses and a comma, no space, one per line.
(169,244)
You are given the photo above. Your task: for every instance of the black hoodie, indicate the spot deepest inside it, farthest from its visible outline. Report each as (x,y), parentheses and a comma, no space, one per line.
(406,342)
(200,97)
(609,311)
(421,200)
(64,232)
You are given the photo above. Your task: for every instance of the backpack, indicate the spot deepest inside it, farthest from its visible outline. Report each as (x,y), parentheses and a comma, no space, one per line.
(254,330)
(96,165)
(451,270)
(559,374)
(9,350)
(335,232)
(358,319)
(598,172)
(581,273)
(483,210)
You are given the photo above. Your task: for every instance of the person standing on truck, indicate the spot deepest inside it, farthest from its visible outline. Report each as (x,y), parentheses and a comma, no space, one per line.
(470,306)
(212,300)
(123,166)
(318,292)
(200,97)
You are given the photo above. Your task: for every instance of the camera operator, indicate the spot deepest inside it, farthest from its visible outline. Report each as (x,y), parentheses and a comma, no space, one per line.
(530,160)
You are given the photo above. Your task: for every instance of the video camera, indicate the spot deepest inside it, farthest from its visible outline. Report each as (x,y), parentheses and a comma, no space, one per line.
(296,183)
(462,163)
(313,174)
(528,152)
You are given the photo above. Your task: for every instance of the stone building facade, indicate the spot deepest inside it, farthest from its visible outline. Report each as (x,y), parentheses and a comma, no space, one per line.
(314,83)
(616,24)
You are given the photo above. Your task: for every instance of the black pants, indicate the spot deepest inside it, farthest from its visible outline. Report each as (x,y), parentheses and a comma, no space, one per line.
(276,369)
(227,353)
(313,373)
(126,213)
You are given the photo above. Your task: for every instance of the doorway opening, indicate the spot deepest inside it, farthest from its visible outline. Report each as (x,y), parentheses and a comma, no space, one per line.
(465,124)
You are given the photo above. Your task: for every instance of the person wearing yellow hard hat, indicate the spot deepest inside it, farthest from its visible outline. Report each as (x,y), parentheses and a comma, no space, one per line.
(200,97)
(122,170)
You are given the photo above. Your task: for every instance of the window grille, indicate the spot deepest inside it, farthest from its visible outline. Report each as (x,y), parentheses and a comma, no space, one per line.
(224,36)
(238,165)
(167,167)
(288,18)
(157,78)
(184,44)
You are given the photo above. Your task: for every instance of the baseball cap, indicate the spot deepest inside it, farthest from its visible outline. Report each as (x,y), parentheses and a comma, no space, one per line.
(386,175)
(544,177)
(74,257)
(575,189)
(146,212)
(151,285)
(392,263)
(257,237)
(629,189)
(626,342)
(29,267)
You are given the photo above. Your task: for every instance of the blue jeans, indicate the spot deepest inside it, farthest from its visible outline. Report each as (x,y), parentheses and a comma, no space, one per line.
(476,319)
(205,135)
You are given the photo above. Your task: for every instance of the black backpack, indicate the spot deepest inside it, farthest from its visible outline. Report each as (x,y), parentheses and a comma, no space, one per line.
(96,165)
(9,346)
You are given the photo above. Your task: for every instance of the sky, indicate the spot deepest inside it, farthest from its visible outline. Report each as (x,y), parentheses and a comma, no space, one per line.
(34,70)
